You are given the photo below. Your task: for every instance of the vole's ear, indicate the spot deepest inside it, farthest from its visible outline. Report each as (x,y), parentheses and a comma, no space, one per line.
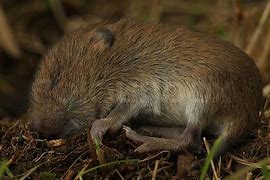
(103,38)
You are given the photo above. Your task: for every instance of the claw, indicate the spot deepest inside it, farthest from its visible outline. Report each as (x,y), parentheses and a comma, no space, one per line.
(142,148)
(134,136)
(126,128)
(145,143)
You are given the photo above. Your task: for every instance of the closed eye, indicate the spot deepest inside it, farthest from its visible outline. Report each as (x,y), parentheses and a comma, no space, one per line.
(55,80)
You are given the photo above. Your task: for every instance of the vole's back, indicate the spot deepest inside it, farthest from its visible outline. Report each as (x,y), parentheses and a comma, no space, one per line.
(183,73)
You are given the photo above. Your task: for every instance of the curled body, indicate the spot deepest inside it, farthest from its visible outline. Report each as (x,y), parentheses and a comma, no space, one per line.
(155,76)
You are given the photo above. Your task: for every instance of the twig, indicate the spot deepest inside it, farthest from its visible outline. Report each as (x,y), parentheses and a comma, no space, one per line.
(83,171)
(9,129)
(28,173)
(252,165)
(41,156)
(154,175)
(59,13)
(263,63)
(257,32)
(219,167)
(212,163)
(249,176)
(241,172)
(73,165)
(158,170)
(154,156)
(120,175)
(266,90)
(69,175)
(7,39)
(266,103)
(155,11)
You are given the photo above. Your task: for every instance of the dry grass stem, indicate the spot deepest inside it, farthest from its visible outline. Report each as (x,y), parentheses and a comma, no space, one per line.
(59,13)
(257,32)
(249,176)
(28,173)
(120,175)
(155,11)
(7,39)
(212,163)
(263,61)
(154,175)
(154,156)
(246,163)
(69,169)
(266,90)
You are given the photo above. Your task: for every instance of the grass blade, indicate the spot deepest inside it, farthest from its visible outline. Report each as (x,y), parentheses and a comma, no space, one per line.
(209,158)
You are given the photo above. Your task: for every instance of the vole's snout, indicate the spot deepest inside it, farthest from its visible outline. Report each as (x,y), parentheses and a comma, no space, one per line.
(53,128)
(44,132)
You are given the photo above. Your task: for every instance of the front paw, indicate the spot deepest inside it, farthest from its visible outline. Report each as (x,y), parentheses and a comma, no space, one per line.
(98,129)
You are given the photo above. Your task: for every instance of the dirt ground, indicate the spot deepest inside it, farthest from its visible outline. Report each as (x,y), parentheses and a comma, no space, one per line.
(36,25)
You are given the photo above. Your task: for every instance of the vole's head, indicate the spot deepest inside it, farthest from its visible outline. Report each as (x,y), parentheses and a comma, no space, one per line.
(59,110)
(63,98)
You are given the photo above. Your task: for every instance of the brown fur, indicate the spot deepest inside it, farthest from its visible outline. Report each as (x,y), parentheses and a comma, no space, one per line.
(155,75)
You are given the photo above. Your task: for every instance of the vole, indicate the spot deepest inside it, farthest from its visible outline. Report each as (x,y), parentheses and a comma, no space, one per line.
(172,81)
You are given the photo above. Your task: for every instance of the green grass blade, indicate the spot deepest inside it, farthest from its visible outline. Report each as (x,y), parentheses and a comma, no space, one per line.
(4,169)
(209,158)
(106,165)
(265,172)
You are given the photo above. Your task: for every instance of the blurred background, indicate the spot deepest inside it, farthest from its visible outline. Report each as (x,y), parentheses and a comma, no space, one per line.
(29,27)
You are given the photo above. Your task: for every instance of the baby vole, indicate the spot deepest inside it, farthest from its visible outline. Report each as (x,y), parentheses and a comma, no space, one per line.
(174,82)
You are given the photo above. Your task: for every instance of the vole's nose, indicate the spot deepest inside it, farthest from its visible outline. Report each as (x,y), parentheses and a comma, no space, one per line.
(43,132)
(34,126)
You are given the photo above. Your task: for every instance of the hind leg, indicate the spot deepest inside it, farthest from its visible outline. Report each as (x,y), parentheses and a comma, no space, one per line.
(172,139)
(227,143)
(176,133)
(229,138)
(163,132)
